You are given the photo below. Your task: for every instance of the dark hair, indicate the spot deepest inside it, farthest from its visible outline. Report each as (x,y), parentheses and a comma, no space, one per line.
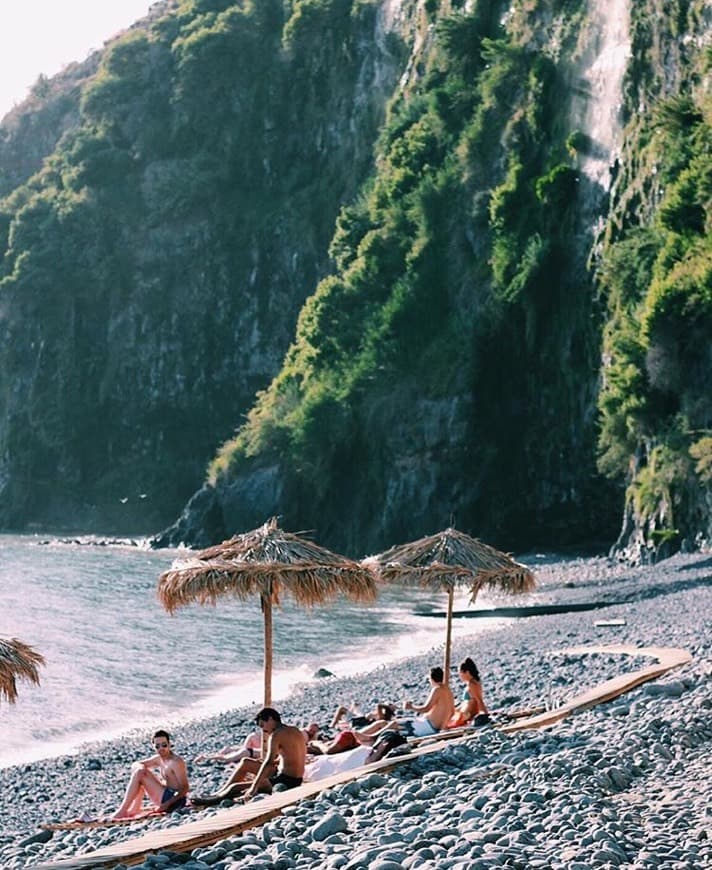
(385,711)
(162,733)
(436,674)
(268,713)
(469,667)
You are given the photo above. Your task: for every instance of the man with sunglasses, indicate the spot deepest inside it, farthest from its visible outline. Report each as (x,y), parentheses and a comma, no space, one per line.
(162,778)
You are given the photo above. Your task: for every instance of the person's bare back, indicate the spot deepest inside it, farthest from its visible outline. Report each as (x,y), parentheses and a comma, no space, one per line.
(287,742)
(441,706)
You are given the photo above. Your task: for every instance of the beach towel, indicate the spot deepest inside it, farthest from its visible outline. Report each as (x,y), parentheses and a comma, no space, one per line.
(88,821)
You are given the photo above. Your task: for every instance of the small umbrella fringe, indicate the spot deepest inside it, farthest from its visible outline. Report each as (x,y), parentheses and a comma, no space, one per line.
(17,660)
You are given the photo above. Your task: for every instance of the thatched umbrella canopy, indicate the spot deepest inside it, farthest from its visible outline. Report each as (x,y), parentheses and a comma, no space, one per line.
(267,563)
(449,559)
(17,661)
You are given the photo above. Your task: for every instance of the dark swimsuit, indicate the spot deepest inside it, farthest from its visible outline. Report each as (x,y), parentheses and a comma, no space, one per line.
(481,718)
(283,782)
(169,793)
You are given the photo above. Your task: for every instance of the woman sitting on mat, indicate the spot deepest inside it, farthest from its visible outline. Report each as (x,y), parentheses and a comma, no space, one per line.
(472,709)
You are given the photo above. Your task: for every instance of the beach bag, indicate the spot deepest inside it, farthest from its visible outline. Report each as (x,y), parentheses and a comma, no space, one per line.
(387,741)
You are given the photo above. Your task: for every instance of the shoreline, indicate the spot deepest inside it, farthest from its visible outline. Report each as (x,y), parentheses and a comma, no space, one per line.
(588,760)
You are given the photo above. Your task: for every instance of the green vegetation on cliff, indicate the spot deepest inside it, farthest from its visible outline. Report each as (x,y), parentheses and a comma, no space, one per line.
(655,400)
(377,220)
(455,283)
(155,266)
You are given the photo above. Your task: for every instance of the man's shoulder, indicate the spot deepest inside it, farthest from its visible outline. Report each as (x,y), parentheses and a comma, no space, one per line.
(292,731)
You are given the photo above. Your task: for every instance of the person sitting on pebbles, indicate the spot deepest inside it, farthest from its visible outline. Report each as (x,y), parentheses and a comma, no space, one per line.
(281,769)
(435,712)
(437,709)
(162,778)
(472,708)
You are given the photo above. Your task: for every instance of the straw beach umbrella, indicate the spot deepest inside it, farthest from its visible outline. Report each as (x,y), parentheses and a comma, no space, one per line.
(267,563)
(449,559)
(17,661)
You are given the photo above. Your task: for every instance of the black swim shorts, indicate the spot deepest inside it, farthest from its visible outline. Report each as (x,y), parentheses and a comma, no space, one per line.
(283,782)
(169,793)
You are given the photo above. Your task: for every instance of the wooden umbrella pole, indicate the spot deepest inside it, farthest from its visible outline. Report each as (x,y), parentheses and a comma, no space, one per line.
(267,613)
(448,635)
(267,616)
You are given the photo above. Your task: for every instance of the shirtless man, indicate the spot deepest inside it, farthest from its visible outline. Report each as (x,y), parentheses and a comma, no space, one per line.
(281,769)
(167,790)
(439,707)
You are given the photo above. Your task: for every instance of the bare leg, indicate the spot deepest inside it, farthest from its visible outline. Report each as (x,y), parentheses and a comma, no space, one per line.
(340,713)
(366,736)
(142,782)
(234,786)
(227,791)
(246,767)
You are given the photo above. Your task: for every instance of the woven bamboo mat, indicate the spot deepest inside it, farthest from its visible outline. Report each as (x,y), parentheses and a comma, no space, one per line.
(233,821)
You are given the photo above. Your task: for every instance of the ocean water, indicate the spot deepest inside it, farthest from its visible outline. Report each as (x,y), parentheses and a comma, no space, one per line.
(115,660)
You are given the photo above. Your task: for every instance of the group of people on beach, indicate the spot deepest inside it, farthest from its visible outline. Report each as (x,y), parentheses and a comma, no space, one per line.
(293,753)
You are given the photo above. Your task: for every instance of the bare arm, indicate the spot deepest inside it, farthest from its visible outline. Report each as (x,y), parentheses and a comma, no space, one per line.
(180,779)
(266,768)
(148,763)
(424,708)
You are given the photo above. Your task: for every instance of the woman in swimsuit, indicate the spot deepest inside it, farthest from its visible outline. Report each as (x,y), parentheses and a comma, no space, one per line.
(472,708)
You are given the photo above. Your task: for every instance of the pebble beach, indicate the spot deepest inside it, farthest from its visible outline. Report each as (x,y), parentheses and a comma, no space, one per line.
(624,784)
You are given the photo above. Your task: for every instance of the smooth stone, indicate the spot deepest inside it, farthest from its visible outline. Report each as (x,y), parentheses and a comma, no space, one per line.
(39,837)
(333,823)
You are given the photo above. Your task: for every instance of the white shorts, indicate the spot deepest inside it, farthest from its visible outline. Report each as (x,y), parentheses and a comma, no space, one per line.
(418,726)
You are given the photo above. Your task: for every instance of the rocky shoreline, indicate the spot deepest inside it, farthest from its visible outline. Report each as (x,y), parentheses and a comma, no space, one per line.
(625,784)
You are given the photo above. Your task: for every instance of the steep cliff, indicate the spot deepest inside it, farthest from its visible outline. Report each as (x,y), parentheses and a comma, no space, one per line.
(438,262)
(447,370)
(656,272)
(155,266)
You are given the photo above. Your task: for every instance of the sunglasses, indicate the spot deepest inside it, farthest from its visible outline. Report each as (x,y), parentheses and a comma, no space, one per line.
(161,745)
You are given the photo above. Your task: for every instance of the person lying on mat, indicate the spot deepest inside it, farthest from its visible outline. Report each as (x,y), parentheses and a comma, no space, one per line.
(472,709)
(356,719)
(326,765)
(162,778)
(348,739)
(281,769)
(251,747)
(435,712)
